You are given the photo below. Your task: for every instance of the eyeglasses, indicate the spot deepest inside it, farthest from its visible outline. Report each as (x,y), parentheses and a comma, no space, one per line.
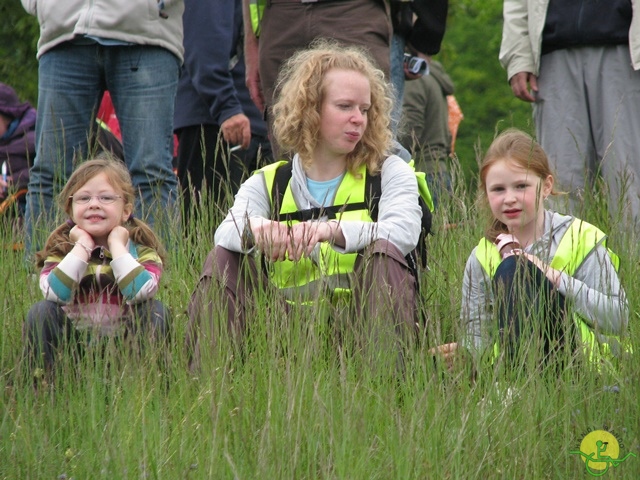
(105,199)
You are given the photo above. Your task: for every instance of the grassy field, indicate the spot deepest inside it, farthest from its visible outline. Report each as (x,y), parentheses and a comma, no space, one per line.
(298,407)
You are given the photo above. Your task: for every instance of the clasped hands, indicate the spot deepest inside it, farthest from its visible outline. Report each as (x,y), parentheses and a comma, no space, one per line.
(509,245)
(279,240)
(116,241)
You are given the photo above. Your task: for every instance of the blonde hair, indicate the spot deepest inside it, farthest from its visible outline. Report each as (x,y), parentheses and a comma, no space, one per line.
(59,244)
(300,91)
(521,150)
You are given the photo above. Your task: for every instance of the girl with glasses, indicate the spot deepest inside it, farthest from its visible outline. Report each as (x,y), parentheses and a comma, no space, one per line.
(100,269)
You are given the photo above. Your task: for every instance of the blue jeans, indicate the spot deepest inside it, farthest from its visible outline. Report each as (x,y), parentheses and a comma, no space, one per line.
(397,79)
(142,81)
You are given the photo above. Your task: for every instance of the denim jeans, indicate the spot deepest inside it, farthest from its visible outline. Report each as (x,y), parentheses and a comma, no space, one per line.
(397,79)
(142,81)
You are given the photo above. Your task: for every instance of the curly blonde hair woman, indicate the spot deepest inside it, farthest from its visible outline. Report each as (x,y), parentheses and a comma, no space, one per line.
(311,219)
(301,90)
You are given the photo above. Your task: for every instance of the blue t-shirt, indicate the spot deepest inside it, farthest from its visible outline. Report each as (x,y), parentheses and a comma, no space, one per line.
(324,192)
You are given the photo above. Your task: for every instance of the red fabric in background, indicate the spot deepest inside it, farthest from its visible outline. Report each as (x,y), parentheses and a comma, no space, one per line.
(107,114)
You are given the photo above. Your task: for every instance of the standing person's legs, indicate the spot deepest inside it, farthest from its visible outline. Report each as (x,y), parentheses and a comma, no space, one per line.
(143,82)
(283,31)
(614,104)
(364,23)
(69,89)
(245,162)
(197,154)
(290,26)
(563,124)
(397,80)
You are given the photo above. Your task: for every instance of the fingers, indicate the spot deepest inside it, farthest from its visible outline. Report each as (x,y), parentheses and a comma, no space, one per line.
(446,350)
(236,130)
(245,136)
(303,239)
(533,82)
(77,234)
(279,241)
(520,86)
(271,238)
(252,75)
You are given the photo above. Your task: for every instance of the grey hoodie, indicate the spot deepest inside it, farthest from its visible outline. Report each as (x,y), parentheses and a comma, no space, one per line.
(142,22)
(595,291)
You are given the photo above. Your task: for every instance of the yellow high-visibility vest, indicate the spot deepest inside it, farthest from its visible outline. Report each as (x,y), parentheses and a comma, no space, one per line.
(256,10)
(576,244)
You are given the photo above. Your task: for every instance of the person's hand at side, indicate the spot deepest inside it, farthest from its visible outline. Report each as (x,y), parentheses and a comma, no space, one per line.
(3,187)
(252,74)
(449,352)
(524,86)
(236,130)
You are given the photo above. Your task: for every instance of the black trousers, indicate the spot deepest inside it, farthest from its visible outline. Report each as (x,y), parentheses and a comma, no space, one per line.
(530,310)
(204,160)
(47,328)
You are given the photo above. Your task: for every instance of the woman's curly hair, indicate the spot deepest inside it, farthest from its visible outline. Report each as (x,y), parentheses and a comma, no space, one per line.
(58,243)
(300,93)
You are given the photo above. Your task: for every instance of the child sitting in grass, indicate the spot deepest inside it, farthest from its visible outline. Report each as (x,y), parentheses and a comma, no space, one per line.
(100,269)
(537,279)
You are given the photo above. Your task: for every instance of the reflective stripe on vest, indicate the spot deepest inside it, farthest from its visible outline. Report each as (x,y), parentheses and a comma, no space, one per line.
(256,10)
(576,244)
(330,269)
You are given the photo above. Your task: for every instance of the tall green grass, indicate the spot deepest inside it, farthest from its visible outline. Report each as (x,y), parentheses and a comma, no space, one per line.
(298,404)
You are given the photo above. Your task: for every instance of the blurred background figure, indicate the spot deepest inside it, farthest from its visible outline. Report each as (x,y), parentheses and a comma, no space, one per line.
(418,27)
(583,80)
(133,48)
(17,149)
(425,126)
(221,133)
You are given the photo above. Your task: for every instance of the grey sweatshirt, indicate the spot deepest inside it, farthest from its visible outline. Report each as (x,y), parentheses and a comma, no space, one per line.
(595,291)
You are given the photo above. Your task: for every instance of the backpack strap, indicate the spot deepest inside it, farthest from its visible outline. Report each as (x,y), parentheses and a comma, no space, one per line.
(280,184)
(372,194)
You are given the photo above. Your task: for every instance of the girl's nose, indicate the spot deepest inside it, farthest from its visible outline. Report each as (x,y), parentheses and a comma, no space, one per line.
(510,197)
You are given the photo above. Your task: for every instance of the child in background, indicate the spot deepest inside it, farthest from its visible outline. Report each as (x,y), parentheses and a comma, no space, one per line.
(536,270)
(100,269)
